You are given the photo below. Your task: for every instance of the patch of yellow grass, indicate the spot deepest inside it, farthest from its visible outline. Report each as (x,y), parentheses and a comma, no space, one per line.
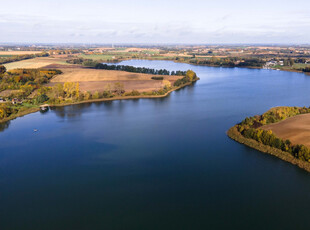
(33,63)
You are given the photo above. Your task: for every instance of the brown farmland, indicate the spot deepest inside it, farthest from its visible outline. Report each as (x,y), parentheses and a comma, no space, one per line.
(96,80)
(296,129)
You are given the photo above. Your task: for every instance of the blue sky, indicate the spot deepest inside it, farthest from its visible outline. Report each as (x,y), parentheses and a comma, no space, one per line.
(160,21)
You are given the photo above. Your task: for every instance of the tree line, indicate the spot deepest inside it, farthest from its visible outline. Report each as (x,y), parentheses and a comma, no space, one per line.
(133,69)
(229,62)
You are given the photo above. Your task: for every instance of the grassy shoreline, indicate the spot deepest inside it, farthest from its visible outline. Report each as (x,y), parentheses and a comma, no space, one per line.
(234,134)
(36,109)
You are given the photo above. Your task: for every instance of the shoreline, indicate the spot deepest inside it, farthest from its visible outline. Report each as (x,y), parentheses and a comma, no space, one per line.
(37,109)
(233,134)
(184,62)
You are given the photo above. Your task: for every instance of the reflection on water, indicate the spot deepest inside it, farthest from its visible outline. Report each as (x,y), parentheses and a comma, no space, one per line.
(4,125)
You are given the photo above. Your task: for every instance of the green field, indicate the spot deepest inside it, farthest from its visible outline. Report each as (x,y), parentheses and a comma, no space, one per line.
(5,55)
(296,66)
(103,57)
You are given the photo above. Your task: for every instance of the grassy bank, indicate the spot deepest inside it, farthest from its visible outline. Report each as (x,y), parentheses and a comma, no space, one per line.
(21,114)
(235,135)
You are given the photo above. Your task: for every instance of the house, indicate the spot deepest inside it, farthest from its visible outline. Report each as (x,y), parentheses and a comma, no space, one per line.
(16,101)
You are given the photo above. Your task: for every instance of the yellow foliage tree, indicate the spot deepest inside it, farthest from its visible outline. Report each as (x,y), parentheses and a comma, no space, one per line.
(191,75)
(167,84)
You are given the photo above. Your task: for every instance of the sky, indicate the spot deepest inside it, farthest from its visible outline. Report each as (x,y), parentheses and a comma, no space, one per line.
(156,21)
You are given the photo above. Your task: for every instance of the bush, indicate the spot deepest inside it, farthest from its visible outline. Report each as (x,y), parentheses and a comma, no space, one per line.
(41,98)
(158,78)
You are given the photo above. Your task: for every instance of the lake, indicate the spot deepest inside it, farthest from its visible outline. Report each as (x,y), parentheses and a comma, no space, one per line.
(161,163)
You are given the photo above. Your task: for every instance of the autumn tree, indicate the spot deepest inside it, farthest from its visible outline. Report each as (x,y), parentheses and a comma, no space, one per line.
(71,89)
(167,84)
(87,95)
(95,95)
(58,90)
(119,88)
(191,75)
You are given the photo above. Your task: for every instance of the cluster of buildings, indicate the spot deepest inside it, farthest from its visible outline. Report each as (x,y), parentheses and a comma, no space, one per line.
(14,101)
(273,63)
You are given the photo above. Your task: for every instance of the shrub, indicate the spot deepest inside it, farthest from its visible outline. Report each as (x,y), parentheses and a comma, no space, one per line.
(158,78)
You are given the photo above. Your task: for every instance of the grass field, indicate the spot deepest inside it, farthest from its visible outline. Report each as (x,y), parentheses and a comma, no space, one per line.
(296,129)
(296,66)
(103,57)
(34,63)
(2,55)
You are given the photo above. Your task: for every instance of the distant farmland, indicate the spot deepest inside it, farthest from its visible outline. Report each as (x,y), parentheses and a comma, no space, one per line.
(14,53)
(34,63)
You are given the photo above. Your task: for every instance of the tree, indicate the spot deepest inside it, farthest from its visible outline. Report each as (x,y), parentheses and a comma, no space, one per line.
(2,69)
(43,90)
(26,90)
(119,88)
(58,90)
(95,95)
(71,89)
(191,75)
(42,98)
(291,61)
(87,95)
(167,84)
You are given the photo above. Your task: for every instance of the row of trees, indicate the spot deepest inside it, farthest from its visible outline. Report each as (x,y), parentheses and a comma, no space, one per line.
(273,115)
(266,137)
(71,90)
(229,62)
(139,69)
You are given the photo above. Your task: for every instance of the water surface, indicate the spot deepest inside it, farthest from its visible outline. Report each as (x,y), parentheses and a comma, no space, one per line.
(155,163)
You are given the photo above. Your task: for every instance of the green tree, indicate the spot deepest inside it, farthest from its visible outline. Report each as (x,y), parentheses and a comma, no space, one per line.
(42,98)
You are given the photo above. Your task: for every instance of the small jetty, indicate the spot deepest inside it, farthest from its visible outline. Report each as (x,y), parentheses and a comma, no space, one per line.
(44,107)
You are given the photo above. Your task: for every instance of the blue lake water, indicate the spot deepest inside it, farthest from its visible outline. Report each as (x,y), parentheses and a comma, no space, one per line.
(155,163)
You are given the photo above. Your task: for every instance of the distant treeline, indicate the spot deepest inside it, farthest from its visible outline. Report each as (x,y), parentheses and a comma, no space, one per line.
(133,69)
(4,60)
(230,62)
(250,128)
(127,68)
